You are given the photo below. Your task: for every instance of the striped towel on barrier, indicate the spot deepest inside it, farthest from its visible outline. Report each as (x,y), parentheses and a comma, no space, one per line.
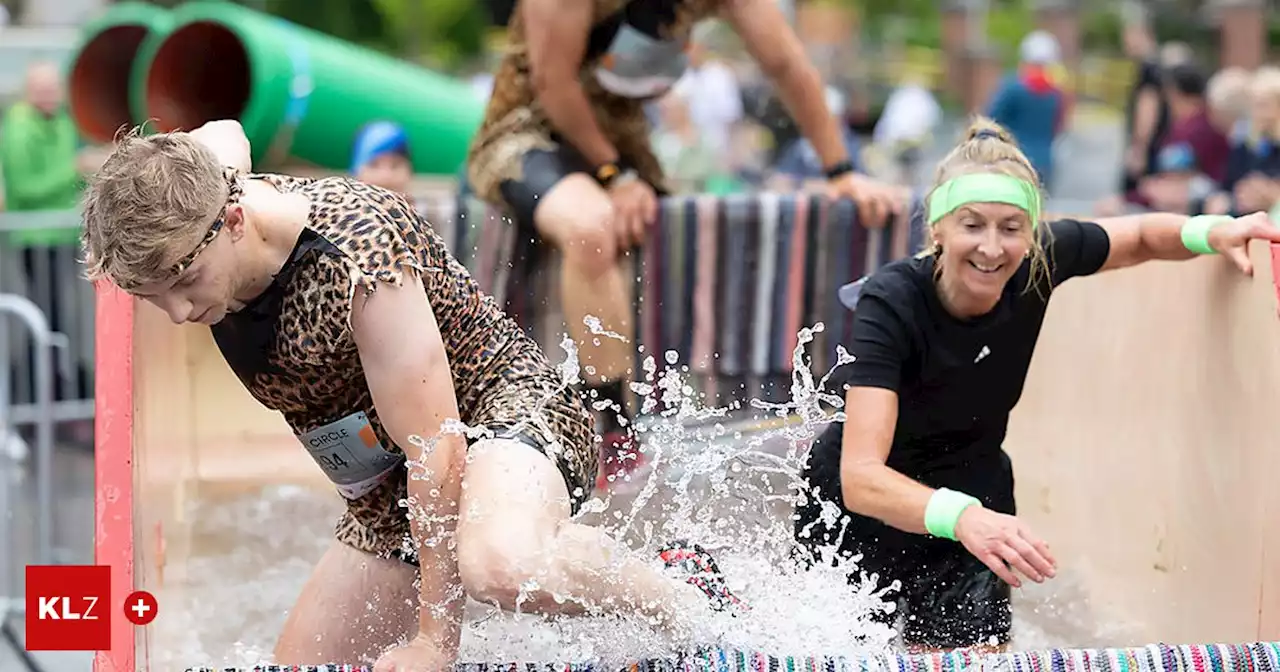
(724,283)
(1257,657)
(484,240)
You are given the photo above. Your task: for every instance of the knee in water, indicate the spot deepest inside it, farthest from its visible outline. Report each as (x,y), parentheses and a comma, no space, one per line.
(494,570)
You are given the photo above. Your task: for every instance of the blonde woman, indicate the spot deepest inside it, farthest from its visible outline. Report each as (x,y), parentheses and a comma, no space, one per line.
(942,344)
(1229,94)
(1252,179)
(688,157)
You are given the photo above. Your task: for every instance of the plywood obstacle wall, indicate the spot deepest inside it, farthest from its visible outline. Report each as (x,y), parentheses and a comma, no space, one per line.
(1146,446)
(173,421)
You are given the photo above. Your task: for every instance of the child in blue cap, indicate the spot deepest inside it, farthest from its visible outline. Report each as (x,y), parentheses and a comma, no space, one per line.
(381,157)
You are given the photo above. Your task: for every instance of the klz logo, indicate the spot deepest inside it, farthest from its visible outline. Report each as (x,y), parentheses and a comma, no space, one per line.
(60,609)
(68,608)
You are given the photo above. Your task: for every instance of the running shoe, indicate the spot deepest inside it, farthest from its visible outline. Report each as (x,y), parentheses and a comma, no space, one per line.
(702,572)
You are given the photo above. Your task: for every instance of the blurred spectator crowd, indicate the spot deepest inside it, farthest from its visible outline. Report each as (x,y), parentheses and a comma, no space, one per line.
(1198,142)
(1195,141)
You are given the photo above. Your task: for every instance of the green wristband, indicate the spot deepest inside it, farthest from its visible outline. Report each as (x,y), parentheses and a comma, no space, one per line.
(1195,232)
(944,509)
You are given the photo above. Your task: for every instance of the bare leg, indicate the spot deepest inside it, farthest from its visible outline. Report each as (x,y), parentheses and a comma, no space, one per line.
(514,531)
(576,216)
(354,607)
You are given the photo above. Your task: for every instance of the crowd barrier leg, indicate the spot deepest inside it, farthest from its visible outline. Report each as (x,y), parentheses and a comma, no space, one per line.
(12,456)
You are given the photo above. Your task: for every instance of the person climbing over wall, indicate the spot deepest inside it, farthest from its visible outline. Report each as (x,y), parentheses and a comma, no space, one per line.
(338,306)
(564,147)
(916,475)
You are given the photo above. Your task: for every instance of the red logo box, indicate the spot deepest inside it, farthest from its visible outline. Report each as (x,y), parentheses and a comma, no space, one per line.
(68,608)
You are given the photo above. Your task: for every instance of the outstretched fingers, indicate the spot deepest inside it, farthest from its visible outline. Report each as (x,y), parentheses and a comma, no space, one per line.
(996,563)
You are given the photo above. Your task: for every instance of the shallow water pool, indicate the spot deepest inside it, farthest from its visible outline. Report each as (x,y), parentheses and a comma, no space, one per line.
(252,549)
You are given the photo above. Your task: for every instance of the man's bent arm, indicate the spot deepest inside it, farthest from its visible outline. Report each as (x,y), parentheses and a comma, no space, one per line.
(227,140)
(407,369)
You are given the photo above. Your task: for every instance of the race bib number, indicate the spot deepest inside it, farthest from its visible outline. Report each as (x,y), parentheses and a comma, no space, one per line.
(350,454)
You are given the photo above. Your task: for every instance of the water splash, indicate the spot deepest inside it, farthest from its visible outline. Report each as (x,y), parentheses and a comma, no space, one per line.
(729,484)
(716,478)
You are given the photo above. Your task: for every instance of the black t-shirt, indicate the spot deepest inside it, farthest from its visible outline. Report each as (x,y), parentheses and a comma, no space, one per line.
(956,380)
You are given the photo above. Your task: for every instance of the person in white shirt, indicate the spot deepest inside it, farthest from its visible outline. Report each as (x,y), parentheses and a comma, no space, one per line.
(711,89)
(910,115)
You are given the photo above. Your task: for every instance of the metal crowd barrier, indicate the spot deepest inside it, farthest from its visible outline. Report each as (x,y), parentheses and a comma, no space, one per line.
(51,277)
(13,455)
(38,388)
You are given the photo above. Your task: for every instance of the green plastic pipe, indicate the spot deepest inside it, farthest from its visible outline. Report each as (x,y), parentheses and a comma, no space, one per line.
(141,67)
(98,84)
(300,94)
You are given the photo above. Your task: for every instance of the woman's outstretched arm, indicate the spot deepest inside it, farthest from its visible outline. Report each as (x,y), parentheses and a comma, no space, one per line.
(1136,239)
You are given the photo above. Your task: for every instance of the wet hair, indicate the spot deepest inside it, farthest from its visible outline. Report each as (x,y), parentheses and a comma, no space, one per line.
(148,206)
(988,149)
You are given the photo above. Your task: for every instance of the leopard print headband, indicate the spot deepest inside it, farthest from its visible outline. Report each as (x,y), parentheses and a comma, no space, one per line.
(235,189)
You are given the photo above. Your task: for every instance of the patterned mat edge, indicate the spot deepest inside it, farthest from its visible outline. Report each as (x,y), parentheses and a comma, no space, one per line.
(1251,657)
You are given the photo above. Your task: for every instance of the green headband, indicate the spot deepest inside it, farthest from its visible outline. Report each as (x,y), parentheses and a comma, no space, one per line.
(984,188)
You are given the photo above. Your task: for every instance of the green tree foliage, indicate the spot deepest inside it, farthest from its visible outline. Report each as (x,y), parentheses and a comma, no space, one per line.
(919,22)
(873,10)
(358,21)
(442,33)
(1007,24)
(445,32)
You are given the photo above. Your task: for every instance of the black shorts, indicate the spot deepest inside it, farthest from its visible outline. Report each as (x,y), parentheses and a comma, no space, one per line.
(540,170)
(947,598)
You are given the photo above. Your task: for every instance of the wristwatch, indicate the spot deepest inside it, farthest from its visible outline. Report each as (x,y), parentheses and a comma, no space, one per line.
(839,169)
(612,173)
(606,173)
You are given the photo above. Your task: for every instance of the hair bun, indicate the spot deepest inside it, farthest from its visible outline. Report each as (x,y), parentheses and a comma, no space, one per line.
(983,128)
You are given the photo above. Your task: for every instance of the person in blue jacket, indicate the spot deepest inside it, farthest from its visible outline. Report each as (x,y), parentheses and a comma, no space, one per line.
(1030,105)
